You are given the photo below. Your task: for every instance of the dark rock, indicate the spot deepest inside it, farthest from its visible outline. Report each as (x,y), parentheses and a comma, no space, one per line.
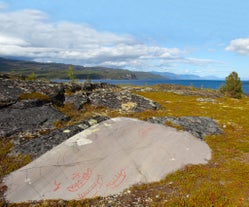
(123,100)
(24,104)
(28,116)
(78,99)
(86,86)
(79,92)
(72,87)
(9,93)
(198,126)
(39,145)
(12,90)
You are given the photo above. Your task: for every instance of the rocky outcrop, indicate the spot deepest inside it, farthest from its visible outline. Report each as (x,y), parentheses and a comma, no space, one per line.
(107,95)
(198,126)
(13,90)
(78,99)
(28,116)
(29,106)
(38,146)
(87,86)
(80,92)
(123,100)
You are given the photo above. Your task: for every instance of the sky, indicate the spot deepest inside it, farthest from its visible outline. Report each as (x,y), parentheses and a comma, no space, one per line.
(205,38)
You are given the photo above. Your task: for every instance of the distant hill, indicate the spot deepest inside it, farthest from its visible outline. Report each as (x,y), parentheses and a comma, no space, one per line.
(174,76)
(60,71)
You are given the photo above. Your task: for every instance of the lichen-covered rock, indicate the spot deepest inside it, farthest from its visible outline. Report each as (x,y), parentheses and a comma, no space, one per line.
(13,90)
(78,99)
(28,116)
(86,87)
(208,100)
(198,126)
(41,144)
(123,100)
(9,93)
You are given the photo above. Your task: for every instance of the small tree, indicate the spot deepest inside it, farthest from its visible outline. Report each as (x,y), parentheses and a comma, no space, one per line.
(233,86)
(70,73)
(88,80)
(32,76)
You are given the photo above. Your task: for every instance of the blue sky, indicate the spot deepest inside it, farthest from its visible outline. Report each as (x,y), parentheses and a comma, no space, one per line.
(187,37)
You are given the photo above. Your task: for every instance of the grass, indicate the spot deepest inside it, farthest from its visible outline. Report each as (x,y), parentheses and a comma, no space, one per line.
(9,163)
(224,181)
(34,95)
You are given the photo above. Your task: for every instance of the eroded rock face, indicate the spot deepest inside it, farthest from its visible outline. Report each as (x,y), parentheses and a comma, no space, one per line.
(28,116)
(80,92)
(13,89)
(123,100)
(28,106)
(78,99)
(87,87)
(39,145)
(198,126)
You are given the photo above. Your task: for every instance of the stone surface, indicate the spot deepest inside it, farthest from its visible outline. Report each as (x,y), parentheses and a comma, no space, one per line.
(198,126)
(123,100)
(28,116)
(210,100)
(87,87)
(39,145)
(104,160)
(13,89)
(78,99)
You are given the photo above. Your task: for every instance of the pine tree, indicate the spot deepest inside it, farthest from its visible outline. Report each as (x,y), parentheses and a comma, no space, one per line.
(31,76)
(233,86)
(70,73)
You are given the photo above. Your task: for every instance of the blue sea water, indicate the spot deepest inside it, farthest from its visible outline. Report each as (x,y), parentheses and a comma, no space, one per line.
(211,84)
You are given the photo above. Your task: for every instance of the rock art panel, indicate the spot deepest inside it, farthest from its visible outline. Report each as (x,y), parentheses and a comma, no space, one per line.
(105,159)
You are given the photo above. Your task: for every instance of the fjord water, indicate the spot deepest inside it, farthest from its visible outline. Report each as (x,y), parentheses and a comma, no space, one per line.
(211,84)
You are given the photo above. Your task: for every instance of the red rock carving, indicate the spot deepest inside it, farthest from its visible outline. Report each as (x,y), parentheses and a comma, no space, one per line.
(57,186)
(81,180)
(94,188)
(118,180)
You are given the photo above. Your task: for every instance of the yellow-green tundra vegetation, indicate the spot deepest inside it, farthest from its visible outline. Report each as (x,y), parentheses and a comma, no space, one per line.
(224,181)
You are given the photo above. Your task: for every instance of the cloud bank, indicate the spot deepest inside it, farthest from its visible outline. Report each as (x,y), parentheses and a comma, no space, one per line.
(240,46)
(30,34)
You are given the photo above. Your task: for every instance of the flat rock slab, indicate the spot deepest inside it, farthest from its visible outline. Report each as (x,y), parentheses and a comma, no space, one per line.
(105,159)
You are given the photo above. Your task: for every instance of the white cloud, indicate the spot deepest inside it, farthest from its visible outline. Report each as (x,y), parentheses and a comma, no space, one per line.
(7,40)
(29,33)
(240,46)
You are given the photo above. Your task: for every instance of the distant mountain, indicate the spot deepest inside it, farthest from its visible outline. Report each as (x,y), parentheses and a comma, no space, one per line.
(60,71)
(174,76)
